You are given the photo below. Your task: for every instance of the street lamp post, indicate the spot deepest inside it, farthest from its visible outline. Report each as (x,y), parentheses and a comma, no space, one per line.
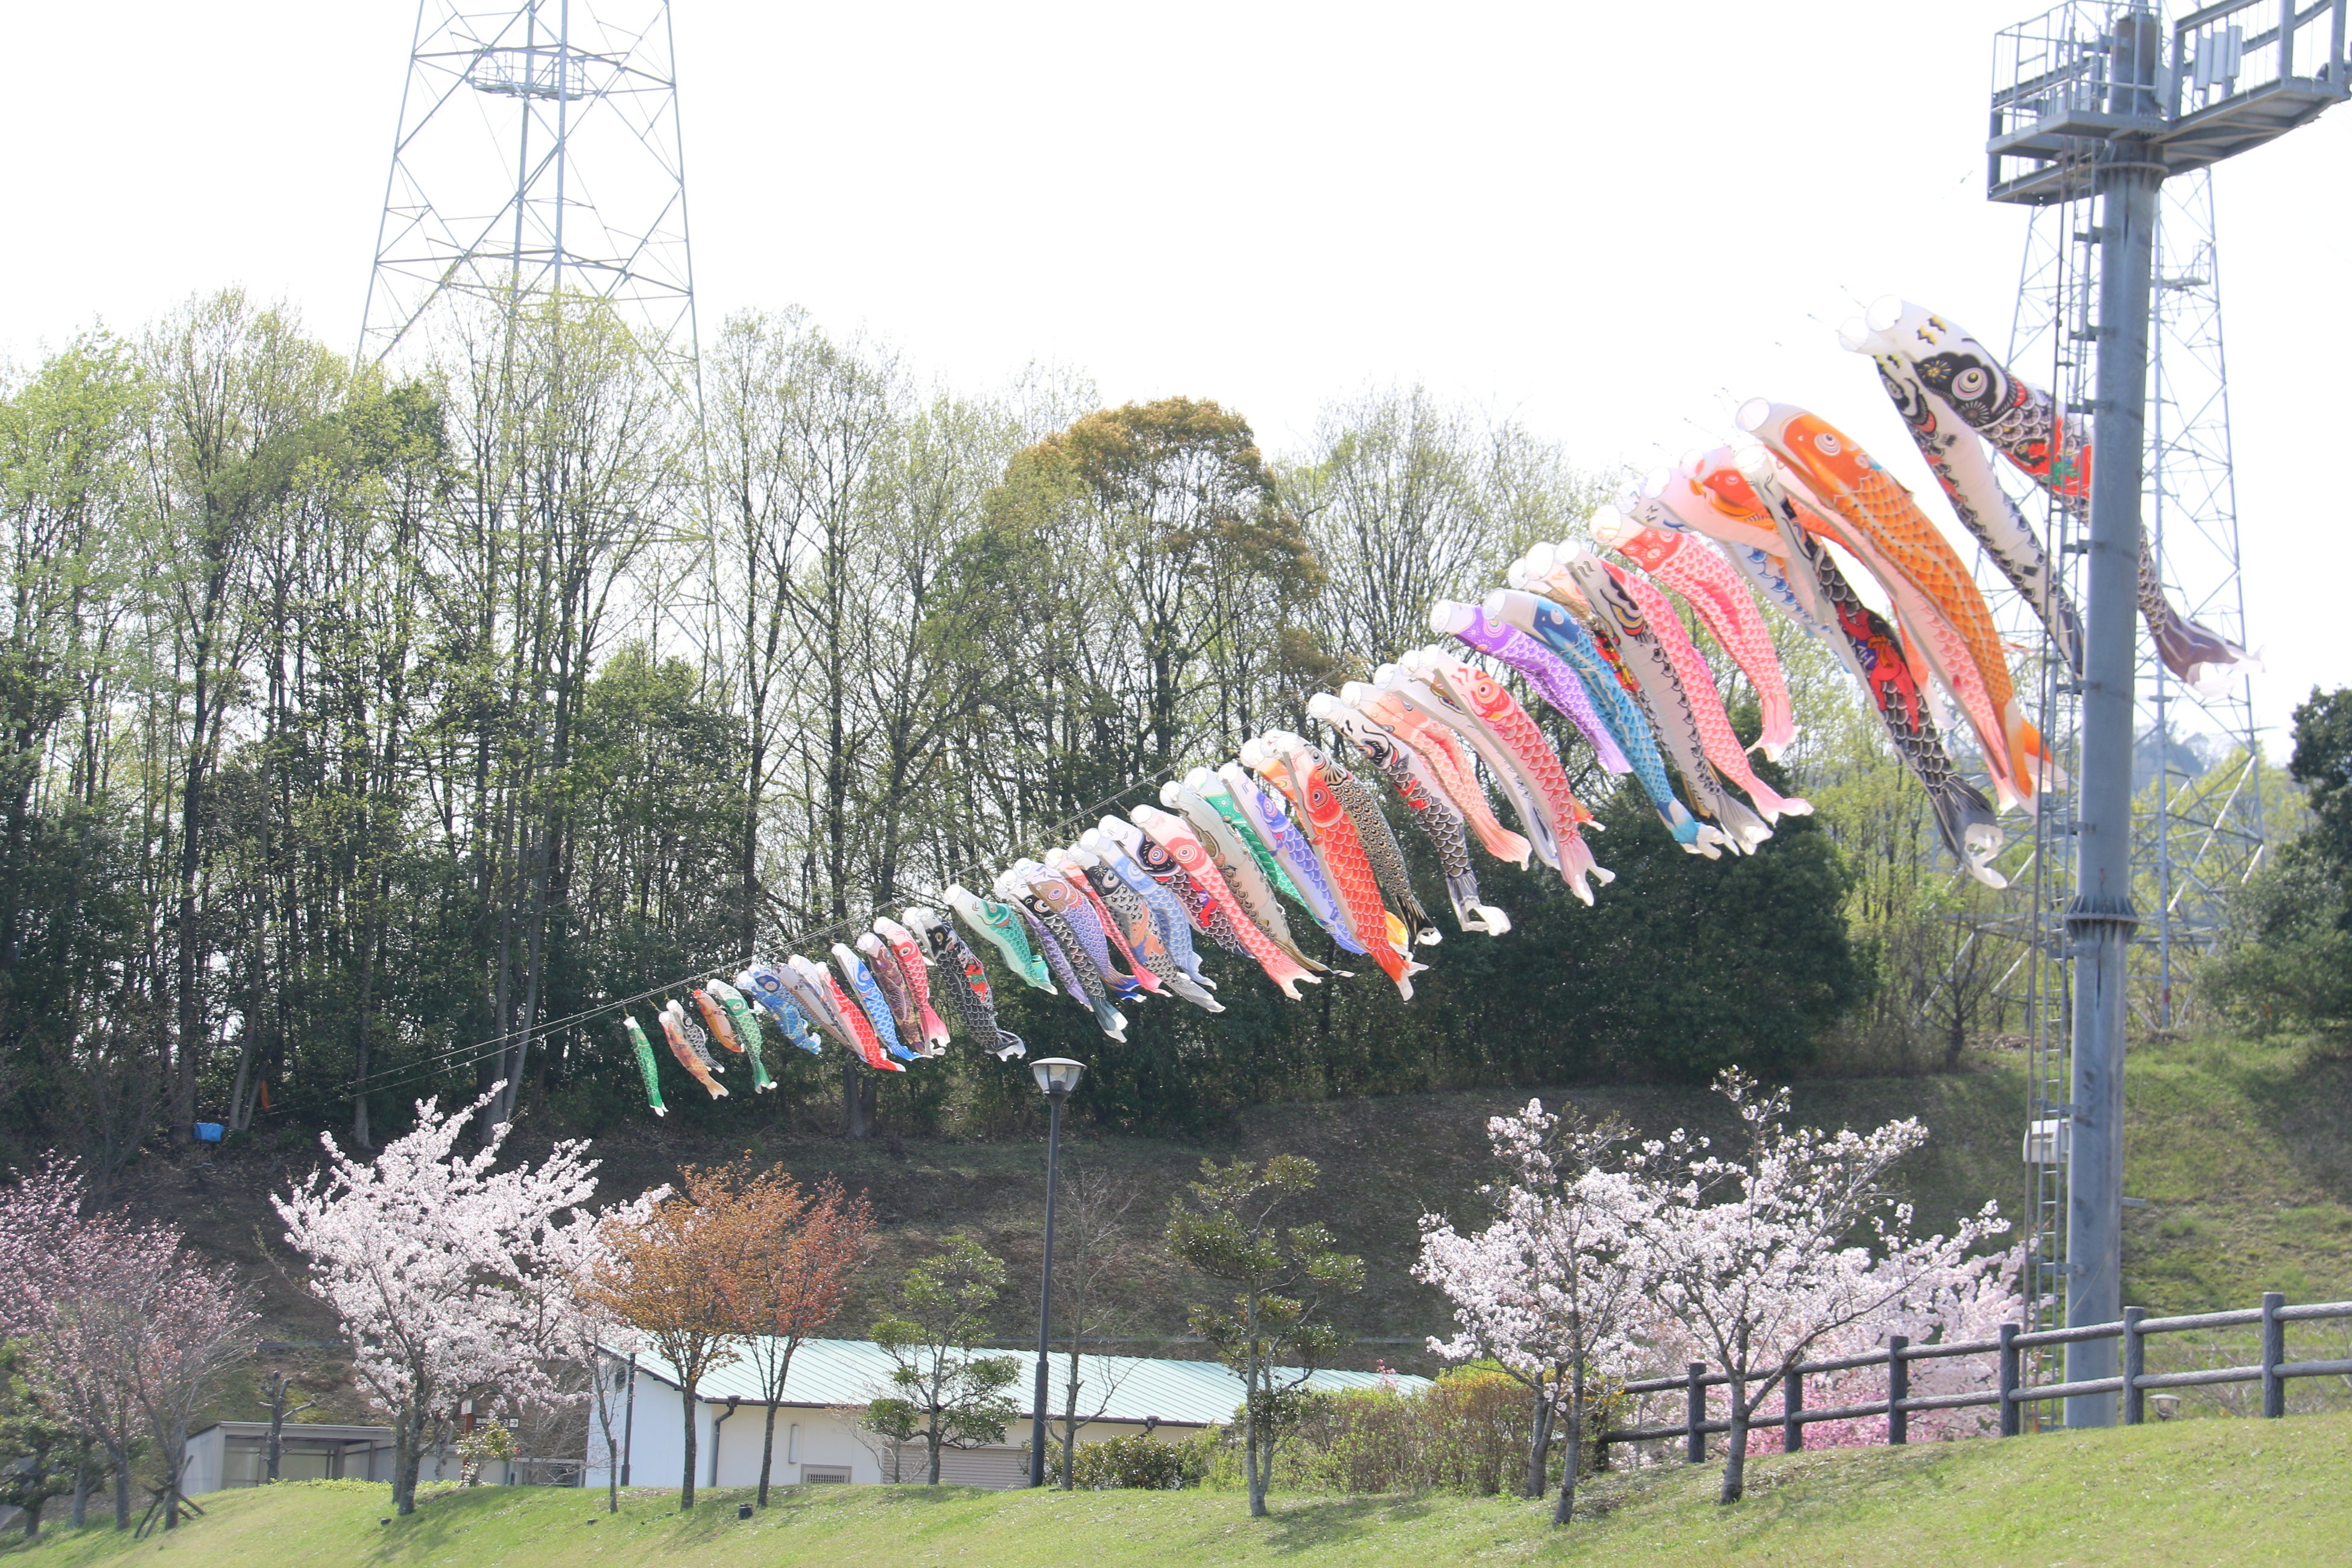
(1056,1076)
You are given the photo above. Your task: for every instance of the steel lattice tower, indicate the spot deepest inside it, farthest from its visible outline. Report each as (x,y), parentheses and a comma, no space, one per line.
(539,153)
(2198,825)
(2106,123)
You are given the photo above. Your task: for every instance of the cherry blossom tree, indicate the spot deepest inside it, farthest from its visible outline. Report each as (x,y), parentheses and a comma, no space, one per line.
(190,1322)
(38,1214)
(1557,1287)
(128,1334)
(435,1262)
(1760,1260)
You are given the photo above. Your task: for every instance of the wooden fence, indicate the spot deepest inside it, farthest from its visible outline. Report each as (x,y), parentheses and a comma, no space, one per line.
(2012,1394)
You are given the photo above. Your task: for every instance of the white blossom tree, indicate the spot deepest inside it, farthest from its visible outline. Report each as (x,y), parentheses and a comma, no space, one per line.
(437,1264)
(1760,1260)
(1557,1288)
(573,1322)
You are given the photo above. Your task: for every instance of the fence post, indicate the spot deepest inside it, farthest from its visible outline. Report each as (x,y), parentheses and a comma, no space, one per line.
(2135,1364)
(2009,1412)
(2274,1352)
(1694,1416)
(1899,1389)
(1792,1407)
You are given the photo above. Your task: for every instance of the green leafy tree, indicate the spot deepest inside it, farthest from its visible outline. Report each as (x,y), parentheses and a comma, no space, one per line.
(39,1453)
(1269,1333)
(2287,963)
(946,1395)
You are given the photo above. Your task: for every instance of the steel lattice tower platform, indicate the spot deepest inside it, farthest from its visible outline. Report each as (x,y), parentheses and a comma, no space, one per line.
(539,153)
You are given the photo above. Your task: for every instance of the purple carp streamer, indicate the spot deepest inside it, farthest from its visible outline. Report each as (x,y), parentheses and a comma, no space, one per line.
(1544,670)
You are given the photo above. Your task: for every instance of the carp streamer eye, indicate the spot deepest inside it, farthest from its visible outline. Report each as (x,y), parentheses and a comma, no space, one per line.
(1970,382)
(1826,443)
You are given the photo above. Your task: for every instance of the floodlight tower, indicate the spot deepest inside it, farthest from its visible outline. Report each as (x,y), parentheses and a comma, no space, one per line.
(539,153)
(2094,104)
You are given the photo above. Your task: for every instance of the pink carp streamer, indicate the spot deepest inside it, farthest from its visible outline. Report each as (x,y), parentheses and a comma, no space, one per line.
(1493,706)
(1174,835)
(1709,585)
(1435,745)
(1715,733)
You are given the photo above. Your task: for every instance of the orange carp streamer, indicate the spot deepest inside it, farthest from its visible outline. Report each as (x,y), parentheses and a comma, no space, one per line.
(1869,501)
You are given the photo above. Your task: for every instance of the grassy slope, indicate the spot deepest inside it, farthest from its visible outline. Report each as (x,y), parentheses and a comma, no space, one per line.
(2198,1492)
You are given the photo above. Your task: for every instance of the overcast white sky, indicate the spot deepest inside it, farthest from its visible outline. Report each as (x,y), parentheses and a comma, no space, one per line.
(1612,225)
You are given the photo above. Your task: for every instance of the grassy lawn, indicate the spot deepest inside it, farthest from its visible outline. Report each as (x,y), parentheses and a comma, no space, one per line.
(2197,1492)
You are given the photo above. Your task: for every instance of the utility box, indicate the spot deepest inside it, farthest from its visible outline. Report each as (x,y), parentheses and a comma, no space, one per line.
(2048,1143)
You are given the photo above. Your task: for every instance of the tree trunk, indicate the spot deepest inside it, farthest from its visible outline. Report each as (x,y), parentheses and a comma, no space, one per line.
(119,1458)
(1539,1448)
(612,1448)
(175,1459)
(361,1136)
(853,1099)
(1260,1457)
(407,1457)
(1070,1400)
(1575,1458)
(81,1488)
(685,1482)
(1735,1448)
(932,1438)
(767,1453)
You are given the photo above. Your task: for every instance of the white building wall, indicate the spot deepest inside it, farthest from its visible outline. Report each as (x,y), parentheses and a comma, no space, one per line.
(202,1471)
(805,1438)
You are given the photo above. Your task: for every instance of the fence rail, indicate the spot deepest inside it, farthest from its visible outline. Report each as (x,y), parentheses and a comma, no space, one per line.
(2013,1393)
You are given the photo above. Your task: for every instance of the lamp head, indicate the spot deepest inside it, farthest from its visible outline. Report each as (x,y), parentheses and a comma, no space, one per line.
(1057,1075)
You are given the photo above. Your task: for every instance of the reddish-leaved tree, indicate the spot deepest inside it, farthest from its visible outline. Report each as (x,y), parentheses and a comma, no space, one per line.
(802,1248)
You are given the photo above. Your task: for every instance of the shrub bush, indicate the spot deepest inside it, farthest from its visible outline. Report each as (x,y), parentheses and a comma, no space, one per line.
(1140,1461)
(1467,1432)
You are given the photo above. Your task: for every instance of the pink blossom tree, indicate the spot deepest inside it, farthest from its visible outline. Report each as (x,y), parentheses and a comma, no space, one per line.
(1967,1306)
(88,1336)
(436,1264)
(37,1216)
(1556,1288)
(1758,1262)
(128,1333)
(190,1322)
